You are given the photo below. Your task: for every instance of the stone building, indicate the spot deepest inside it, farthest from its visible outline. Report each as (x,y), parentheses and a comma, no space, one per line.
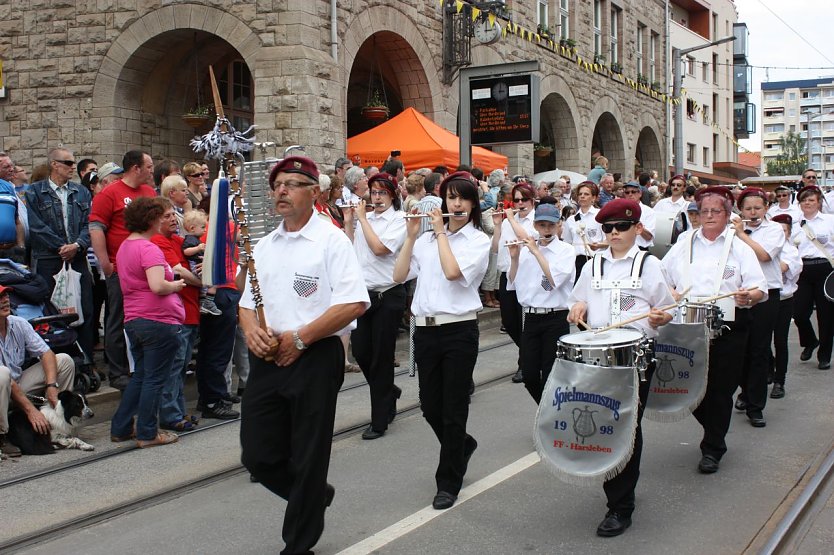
(105,76)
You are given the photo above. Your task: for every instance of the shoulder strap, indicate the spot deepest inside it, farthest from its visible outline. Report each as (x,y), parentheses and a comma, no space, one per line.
(637,264)
(813,238)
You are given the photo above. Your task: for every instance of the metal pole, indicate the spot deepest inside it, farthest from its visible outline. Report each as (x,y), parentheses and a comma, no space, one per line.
(676,93)
(808,141)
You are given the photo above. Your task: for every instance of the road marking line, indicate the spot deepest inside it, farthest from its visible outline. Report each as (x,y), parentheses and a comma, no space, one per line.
(421,517)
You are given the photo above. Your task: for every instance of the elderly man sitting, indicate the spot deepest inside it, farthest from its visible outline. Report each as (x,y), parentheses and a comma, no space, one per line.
(52,374)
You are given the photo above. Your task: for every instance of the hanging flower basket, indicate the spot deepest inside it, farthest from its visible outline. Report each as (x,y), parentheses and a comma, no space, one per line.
(375,112)
(542,150)
(197,121)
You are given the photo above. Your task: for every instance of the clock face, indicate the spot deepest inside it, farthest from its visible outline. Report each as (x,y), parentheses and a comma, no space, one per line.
(487,33)
(500,91)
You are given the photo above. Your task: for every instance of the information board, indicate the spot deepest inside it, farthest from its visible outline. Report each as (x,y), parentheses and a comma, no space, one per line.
(500,109)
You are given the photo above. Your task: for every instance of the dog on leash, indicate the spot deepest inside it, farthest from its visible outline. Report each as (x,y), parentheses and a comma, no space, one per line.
(63,419)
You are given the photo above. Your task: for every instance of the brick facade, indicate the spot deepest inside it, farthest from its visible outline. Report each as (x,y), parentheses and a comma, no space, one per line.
(104,76)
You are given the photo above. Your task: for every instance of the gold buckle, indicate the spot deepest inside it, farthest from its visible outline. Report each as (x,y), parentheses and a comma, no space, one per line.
(430,321)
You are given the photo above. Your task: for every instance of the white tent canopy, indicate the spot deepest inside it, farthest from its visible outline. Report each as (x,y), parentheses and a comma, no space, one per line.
(554,175)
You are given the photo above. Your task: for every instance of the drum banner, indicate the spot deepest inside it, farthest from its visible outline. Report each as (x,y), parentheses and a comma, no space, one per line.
(587,418)
(680,377)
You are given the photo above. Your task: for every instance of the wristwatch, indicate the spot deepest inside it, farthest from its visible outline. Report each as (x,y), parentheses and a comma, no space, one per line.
(299,344)
(53,384)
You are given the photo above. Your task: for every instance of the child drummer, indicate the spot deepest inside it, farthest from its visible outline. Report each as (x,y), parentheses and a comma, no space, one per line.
(601,303)
(542,272)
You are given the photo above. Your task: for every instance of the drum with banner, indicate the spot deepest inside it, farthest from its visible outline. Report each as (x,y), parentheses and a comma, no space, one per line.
(679,382)
(586,421)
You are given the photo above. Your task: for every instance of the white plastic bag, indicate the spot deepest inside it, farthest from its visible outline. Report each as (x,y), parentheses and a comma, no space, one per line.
(67,293)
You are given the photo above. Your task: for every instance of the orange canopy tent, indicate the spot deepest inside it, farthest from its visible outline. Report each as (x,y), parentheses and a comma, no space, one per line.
(423,144)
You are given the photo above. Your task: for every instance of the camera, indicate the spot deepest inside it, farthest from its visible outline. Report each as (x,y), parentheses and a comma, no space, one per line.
(395,153)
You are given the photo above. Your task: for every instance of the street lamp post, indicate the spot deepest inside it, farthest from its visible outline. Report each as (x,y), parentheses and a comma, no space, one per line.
(677,54)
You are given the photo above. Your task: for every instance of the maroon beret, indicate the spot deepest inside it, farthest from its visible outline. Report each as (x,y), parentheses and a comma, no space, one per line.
(385,179)
(678,177)
(295,164)
(622,209)
(808,189)
(751,192)
(715,190)
(782,219)
(460,176)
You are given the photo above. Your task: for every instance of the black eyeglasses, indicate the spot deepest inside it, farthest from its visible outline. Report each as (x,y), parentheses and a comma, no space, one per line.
(67,163)
(619,226)
(521,199)
(196,175)
(782,195)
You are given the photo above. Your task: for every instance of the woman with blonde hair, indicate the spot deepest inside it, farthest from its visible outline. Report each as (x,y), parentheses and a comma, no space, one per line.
(196,180)
(175,189)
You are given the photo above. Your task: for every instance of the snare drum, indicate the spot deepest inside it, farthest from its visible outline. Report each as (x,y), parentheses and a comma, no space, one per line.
(699,313)
(617,347)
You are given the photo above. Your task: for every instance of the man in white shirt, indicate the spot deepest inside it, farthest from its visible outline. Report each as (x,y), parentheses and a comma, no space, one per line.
(312,289)
(676,202)
(645,238)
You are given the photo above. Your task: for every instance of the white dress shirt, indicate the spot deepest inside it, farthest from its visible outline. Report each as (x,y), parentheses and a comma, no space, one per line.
(378,271)
(437,295)
(771,237)
(668,205)
(507,234)
(531,285)
(822,226)
(742,269)
(790,256)
(653,292)
(586,221)
(792,210)
(828,203)
(303,273)
(649,221)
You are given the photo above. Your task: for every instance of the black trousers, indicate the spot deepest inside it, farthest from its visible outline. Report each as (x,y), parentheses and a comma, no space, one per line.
(48,267)
(809,294)
(757,354)
(373,343)
(286,433)
(726,359)
(217,342)
(510,311)
(99,301)
(115,346)
(538,348)
(780,340)
(446,357)
(619,490)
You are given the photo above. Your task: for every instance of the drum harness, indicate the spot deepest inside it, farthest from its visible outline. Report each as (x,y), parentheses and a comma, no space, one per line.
(615,286)
(719,274)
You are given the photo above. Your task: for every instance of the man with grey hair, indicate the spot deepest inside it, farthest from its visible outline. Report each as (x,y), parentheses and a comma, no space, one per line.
(12,231)
(356,185)
(59,210)
(606,189)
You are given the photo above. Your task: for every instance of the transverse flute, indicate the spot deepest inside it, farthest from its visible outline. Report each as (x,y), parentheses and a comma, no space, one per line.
(447,215)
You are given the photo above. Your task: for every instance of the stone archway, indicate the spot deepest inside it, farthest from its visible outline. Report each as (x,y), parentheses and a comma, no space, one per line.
(558,129)
(647,154)
(145,73)
(608,141)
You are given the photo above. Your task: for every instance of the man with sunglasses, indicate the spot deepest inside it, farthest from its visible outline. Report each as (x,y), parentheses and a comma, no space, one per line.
(784,205)
(602,305)
(58,211)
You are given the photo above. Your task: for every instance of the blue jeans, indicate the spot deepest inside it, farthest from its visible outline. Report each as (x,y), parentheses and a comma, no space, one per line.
(151,344)
(172,401)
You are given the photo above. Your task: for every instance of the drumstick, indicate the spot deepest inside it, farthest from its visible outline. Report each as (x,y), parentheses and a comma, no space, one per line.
(641,316)
(719,297)
(582,323)
(581,228)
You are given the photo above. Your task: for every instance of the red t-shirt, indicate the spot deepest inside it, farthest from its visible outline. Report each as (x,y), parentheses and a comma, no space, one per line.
(109,210)
(171,248)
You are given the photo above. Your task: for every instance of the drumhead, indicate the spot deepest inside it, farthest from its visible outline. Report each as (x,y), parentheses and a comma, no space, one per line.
(619,336)
(828,287)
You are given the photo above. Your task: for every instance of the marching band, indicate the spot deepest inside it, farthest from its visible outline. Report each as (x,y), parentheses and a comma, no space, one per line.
(731,282)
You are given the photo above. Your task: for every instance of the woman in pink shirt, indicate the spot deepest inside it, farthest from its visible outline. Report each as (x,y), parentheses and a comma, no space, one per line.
(154,315)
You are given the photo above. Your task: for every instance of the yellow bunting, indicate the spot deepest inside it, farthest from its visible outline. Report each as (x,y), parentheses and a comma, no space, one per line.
(459,5)
(491,18)
(475,13)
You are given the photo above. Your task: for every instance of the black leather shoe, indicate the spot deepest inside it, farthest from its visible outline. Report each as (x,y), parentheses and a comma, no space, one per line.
(756,419)
(518,378)
(778,391)
(807,352)
(613,525)
(443,500)
(824,365)
(468,449)
(370,433)
(741,404)
(329,493)
(708,465)
(392,412)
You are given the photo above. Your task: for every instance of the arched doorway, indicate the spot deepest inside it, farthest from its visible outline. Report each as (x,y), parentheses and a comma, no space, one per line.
(608,141)
(558,130)
(385,65)
(647,155)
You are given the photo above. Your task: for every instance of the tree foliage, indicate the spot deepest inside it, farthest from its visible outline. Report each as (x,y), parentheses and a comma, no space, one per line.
(793,159)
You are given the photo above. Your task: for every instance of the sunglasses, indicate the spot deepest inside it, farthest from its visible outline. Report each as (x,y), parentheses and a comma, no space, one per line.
(67,163)
(782,195)
(521,199)
(811,177)
(196,175)
(619,226)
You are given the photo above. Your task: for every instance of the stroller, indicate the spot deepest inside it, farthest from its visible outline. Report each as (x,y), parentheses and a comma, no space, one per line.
(30,300)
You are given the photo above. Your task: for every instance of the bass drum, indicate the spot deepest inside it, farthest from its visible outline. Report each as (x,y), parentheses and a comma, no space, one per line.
(668,228)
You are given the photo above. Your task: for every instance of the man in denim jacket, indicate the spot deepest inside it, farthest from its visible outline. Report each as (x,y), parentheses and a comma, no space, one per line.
(58,229)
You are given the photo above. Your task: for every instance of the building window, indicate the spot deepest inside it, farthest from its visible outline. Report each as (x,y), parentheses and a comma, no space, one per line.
(791,112)
(690,153)
(810,94)
(597,27)
(705,72)
(715,69)
(541,14)
(792,129)
(705,112)
(564,19)
(236,88)
(639,48)
(616,14)
(690,66)
(652,57)
(714,110)
(715,144)
(690,109)
(773,96)
(792,96)
(706,156)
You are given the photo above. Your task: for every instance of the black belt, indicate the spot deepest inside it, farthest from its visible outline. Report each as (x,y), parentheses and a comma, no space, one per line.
(814,261)
(378,294)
